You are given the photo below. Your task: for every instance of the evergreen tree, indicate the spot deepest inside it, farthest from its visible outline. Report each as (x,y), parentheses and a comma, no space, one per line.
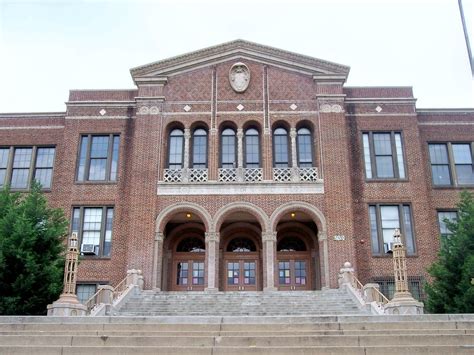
(451,290)
(31,252)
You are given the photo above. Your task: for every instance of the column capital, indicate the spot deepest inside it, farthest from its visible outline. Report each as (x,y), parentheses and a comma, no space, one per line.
(269,236)
(240,132)
(159,236)
(212,237)
(187,133)
(292,132)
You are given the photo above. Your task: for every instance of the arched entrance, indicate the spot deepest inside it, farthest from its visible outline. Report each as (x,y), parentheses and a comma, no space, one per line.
(293,263)
(188,260)
(241,264)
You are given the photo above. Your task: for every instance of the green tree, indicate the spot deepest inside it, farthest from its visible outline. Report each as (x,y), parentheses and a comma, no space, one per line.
(31,252)
(451,290)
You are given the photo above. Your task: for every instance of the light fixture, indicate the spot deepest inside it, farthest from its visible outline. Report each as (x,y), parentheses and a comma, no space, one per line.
(293,214)
(188,215)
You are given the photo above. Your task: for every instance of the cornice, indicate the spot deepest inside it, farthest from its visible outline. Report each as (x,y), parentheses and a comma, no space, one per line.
(443,111)
(236,46)
(33,115)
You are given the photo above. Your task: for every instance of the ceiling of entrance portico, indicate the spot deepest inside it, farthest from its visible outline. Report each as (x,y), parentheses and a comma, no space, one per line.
(239,49)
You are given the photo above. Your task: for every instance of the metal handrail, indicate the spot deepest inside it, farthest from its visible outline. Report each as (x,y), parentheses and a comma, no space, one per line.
(117,292)
(360,287)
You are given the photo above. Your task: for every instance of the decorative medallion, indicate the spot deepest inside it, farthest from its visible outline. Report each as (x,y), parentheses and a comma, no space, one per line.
(239,77)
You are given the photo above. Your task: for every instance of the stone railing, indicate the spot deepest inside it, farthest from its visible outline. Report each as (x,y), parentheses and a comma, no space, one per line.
(368,296)
(197,175)
(109,298)
(227,174)
(185,175)
(295,174)
(253,174)
(173,175)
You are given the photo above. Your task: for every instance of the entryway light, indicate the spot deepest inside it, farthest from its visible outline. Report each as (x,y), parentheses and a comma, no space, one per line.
(293,214)
(188,215)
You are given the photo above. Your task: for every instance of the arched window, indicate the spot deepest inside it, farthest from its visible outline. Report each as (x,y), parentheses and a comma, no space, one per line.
(176,148)
(191,245)
(252,149)
(228,149)
(305,151)
(199,157)
(241,245)
(280,148)
(291,244)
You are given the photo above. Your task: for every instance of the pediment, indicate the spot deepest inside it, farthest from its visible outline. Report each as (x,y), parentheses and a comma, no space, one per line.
(239,50)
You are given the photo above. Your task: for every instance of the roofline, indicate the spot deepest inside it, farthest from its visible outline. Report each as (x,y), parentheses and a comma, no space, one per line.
(32,114)
(445,110)
(238,43)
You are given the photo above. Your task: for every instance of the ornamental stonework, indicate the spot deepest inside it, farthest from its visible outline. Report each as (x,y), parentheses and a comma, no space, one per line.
(239,77)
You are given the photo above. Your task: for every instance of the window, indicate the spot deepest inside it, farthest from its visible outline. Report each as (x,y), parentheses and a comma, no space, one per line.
(383,155)
(252,149)
(305,150)
(451,163)
(199,149)
(228,149)
(384,219)
(85,291)
(280,148)
(19,166)
(94,228)
(98,158)
(443,228)
(387,286)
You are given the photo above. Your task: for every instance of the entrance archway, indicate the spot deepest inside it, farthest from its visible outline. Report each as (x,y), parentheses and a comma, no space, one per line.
(188,260)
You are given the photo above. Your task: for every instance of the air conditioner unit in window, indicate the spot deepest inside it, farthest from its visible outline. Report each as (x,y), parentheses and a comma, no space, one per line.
(89,249)
(388,248)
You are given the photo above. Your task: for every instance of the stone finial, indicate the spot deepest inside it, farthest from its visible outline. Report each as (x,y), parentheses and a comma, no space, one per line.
(346,274)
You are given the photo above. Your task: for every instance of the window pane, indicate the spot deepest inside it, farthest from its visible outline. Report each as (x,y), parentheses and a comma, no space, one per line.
(440,174)
(199,149)
(409,240)
(228,148)
(252,149)
(4,157)
(449,215)
(280,149)
(75,220)
(305,153)
(373,230)
(99,146)
(176,152)
(82,158)
(465,174)
(368,163)
(390,221)
(44,176)
(21,168)
(97,169)
(382,144)
(384,165)
(462,154)
(115,156)
(438,154)
(108,231)
(400,161)
(44,166)
(85,291)
(91,227)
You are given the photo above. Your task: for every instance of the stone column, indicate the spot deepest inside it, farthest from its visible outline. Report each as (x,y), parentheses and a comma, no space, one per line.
(187,139)
(157,262)
(240,155)
(295,176)
(324,262)
(269,256)
(212,261)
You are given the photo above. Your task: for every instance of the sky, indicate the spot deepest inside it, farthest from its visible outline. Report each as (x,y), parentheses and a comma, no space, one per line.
(48,47)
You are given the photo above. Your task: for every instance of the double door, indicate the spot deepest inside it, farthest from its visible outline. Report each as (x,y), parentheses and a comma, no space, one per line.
(293,273)
(241,274)
(188,274)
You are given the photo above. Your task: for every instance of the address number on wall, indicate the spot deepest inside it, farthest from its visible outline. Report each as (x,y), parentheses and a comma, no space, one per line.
(339,237)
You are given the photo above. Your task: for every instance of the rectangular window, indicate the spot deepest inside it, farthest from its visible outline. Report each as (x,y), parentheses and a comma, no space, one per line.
(94,228)
(387,286)
(19,166)
(451,164)
(98,158)
(384,219)
(451,216)
(383,155)
(85,291)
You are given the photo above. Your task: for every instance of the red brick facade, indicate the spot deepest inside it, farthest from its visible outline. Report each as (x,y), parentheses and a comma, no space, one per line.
(285,90)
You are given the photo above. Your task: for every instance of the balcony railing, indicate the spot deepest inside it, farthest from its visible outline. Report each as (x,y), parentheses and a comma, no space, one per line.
(242,175)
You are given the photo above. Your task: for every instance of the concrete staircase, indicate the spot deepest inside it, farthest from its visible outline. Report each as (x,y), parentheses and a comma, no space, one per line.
(327,302)
(356,334)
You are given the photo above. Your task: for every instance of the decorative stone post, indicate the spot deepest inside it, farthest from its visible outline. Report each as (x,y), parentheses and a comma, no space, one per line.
(68,304)
(346,275)
(295,175)
(212,261)
(269,254)
(158,262)
(187,139)
(402,302)
(240,155)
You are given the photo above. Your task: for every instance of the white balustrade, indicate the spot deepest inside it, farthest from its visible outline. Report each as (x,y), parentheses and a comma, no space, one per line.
(309,174)
(197,175)
(227,174)
(253,174)
(173,175)
(282,174)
